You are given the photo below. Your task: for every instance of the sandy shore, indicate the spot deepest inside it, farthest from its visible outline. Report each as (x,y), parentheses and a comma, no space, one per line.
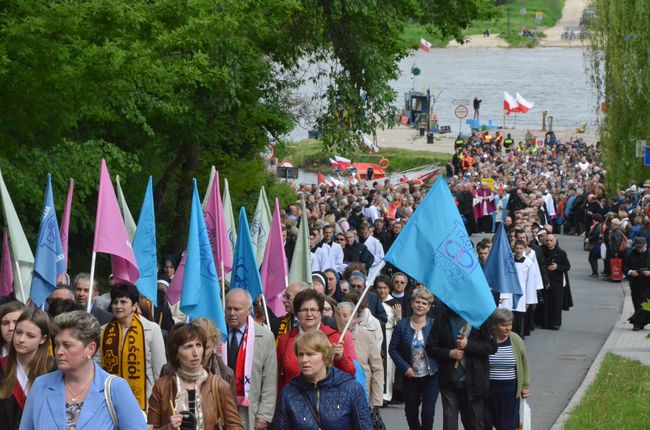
(409,138)
(571,14)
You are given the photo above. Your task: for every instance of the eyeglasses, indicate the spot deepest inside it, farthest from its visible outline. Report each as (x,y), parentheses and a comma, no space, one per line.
(327,309)
(340,239)
(311,311)
(399,282)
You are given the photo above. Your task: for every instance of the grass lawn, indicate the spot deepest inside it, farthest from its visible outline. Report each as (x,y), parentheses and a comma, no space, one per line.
(551,11)
(308,154)
(618,398)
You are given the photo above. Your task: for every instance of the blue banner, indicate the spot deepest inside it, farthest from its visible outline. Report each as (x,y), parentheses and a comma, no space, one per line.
(144,248)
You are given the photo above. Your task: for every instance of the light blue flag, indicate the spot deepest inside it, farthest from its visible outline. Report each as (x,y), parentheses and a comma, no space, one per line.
(434,249)
(245,273)
(144,248)
(50,260)
(500,270)
(200,291)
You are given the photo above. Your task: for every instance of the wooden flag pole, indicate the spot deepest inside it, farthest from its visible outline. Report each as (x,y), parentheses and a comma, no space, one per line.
(266,311)
(20,282)
(90,287)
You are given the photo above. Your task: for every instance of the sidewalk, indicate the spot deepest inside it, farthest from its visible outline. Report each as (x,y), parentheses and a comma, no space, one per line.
(623,342)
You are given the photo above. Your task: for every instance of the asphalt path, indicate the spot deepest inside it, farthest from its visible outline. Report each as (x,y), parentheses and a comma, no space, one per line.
(558,360)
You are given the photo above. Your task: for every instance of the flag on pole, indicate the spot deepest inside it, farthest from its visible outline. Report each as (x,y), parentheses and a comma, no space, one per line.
(65,223)
(274,266)
(6,269)
(524,105)
(50,260)
(21,253)
(500,270)
(245,273)
(261,226)
(217,231)
(229,216)
(200,292)
(110,232)
(509,104)
(300,269)
(144,248)
(129,222)
(434,249)
(208,190)
(425,45)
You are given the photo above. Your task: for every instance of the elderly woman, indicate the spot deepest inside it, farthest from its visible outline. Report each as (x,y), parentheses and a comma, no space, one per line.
(509,377)
(420,385)
(74,396)
(308,305)
(191,397)
(28,359)
(368,355)
(322,396)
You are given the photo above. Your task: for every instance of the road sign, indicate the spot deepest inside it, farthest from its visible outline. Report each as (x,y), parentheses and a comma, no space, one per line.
(646,158)
(461,112)
(460,101)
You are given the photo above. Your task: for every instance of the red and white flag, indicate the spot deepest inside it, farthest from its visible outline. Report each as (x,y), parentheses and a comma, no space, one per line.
(524,105)
(509,103)
(425,45)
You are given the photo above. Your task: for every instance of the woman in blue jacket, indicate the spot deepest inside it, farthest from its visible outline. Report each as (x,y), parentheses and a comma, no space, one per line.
(420,385)
(322,396)
(73,396)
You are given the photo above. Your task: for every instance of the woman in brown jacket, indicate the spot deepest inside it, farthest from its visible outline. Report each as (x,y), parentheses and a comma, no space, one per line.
(191,398)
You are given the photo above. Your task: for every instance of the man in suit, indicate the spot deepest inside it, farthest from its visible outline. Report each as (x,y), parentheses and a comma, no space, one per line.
(81,285)
(256,407)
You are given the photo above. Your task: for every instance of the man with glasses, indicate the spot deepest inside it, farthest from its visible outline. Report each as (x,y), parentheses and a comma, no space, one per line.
(358,282)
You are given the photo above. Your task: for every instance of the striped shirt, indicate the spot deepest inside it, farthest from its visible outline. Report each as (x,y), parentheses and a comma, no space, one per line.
(503,363)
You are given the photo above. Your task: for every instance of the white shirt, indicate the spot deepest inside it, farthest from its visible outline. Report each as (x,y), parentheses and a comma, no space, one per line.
(319,259)
(550,206)
(376,249)
(528,287)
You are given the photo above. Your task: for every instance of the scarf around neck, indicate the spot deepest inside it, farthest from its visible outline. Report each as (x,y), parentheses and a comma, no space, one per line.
(182,400)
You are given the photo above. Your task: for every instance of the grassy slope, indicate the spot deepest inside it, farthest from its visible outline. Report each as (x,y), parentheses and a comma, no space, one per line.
(550,9)
(618,398)
(309,155)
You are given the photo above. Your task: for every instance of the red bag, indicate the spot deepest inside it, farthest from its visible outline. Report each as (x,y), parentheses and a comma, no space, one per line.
(616,269)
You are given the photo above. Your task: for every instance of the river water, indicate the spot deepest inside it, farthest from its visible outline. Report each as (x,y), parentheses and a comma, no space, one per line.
(553,78)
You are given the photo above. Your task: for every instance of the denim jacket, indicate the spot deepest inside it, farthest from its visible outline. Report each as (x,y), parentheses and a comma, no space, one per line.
(401,341)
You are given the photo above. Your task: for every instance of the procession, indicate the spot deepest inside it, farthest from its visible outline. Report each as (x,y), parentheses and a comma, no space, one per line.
(443,261)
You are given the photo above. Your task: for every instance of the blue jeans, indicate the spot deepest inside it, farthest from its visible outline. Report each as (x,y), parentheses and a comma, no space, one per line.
(418,391)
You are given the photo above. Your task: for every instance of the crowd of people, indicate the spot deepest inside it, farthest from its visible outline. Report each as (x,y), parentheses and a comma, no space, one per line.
(129,364)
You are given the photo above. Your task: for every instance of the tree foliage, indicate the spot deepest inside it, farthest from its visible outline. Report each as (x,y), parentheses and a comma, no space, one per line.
(169,87)
(620,72)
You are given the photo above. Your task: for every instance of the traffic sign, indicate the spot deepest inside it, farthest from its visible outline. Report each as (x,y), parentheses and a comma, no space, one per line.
(646,158)
(461,112)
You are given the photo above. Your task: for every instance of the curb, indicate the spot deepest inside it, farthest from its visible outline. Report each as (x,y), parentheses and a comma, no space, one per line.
(627,309)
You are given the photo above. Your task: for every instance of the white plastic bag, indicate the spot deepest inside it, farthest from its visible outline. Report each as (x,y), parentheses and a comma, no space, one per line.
(524,416)
(603,251)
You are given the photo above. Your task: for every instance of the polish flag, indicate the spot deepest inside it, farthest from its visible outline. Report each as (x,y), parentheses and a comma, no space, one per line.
(320,178)
(524,105)
(509,103)
(343,163)
(425,45)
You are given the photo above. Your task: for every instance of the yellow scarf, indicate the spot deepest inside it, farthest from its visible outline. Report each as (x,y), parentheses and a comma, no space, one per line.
(128,362)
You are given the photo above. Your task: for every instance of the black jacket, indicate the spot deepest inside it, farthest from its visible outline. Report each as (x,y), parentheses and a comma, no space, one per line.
(481,343)
(358,253)
(559,257)
(634,261)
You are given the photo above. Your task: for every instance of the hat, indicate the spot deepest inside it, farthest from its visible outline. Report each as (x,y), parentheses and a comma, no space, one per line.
(640,242)
(646,184)
(542,232)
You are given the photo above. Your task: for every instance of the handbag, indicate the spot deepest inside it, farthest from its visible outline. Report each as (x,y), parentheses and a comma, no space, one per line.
(215,391)
(524,416)
(377,421)
(585,245)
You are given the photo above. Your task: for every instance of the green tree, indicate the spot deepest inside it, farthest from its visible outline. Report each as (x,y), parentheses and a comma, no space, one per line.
(169,87)
(620,72)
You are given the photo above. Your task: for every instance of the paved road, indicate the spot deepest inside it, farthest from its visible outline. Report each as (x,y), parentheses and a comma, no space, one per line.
(559,360)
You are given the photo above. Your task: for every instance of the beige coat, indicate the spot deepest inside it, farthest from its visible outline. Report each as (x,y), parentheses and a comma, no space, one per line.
(369,358)
(264,379)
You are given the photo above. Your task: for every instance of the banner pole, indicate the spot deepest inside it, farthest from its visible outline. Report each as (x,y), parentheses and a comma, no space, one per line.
(20,282)
(90,287)
(223,287)
(354,312)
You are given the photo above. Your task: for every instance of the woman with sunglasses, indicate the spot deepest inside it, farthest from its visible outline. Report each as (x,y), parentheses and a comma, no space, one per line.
(308,305)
